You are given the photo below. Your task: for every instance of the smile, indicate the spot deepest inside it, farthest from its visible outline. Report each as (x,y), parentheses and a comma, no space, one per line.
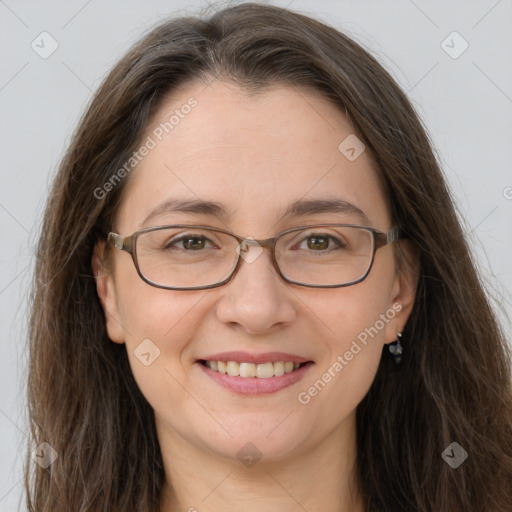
(254,374)
(248,370)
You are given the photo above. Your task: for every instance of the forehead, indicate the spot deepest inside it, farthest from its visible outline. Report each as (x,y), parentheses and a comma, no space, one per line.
(253,154)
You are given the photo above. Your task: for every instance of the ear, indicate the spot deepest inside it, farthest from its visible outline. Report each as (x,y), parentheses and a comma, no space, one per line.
(403,291)
(105,287)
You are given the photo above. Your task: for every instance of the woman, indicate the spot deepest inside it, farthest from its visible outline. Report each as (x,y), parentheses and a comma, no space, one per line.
(252,289)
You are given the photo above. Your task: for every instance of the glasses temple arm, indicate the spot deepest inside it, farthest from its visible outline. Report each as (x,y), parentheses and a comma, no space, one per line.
(125,244)
(393,234)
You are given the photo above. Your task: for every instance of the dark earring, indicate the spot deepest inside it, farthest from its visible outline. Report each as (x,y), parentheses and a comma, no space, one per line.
(396,348)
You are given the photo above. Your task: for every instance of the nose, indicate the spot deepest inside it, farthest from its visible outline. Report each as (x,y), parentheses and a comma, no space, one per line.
(256,299)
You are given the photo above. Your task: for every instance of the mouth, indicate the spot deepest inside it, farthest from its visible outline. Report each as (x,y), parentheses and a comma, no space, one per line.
(254,374)
(246,370)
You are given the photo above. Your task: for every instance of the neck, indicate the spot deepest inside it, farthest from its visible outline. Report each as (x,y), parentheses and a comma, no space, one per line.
(321,478)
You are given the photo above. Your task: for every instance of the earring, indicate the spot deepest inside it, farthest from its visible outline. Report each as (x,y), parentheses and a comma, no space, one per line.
(396,348)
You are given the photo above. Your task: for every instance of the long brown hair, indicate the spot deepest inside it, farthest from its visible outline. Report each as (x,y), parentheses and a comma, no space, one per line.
(454,382)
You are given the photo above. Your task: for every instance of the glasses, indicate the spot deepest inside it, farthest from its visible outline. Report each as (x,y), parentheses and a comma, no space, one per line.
(188,257)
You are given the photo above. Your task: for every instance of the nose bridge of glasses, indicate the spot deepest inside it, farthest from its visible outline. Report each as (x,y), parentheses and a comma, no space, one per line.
(244,253)
(246,243)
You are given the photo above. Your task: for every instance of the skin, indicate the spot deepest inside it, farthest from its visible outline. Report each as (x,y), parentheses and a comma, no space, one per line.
(255,155)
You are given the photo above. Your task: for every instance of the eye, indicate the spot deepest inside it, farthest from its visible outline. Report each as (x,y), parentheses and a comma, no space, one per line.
(189,242)
(321,242)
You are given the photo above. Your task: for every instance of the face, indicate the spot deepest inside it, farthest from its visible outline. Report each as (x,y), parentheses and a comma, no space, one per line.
(254,155)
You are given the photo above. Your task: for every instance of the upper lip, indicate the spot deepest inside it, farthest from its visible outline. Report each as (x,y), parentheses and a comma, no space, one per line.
(247,357)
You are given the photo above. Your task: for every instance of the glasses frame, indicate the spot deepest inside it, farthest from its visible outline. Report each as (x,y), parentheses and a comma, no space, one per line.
(129,245)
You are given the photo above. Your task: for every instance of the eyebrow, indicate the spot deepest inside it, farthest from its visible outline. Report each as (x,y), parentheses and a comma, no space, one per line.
(298,208)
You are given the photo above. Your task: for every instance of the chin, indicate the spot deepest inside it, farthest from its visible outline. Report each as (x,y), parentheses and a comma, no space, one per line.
(250,442)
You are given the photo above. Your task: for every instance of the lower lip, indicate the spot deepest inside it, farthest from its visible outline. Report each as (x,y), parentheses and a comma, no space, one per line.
(254,385)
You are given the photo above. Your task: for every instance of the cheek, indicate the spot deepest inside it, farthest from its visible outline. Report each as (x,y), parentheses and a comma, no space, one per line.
(158,326)
(358,315)
(150,312)
(345,375)
(161,327)
(356,338)
(352,322)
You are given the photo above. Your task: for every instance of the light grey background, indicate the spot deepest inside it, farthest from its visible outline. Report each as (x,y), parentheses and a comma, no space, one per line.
(465,102)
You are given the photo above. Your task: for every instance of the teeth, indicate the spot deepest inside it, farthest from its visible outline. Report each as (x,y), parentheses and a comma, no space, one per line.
(278,368)
(261,371)
(247,370)
(265,370)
